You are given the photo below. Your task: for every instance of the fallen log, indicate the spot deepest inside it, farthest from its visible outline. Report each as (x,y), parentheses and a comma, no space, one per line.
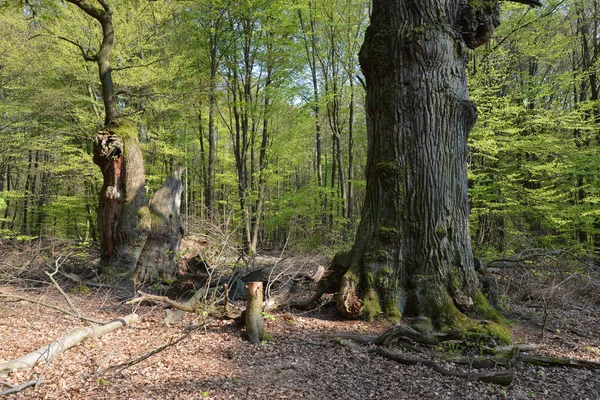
(76,336)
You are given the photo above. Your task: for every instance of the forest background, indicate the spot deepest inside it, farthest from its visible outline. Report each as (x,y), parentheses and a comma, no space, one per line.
(263,103)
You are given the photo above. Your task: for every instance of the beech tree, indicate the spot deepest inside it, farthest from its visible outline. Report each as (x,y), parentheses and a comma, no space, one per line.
(412,253)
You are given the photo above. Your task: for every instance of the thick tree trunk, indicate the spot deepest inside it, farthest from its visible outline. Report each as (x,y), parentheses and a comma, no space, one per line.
(157,260)
(123,216)
(412,252)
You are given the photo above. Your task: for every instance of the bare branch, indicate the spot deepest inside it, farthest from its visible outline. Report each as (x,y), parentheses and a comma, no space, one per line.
(18,388)
(41,303)
(139,66)
(58,263)
(84,53)
(532,3)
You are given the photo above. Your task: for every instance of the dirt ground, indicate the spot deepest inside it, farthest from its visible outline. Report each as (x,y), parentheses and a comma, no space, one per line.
(215,362)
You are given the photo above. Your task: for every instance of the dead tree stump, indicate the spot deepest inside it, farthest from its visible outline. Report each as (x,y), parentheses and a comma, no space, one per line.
(255,330)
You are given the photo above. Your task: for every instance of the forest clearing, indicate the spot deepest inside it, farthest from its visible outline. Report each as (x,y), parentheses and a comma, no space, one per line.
(307,357)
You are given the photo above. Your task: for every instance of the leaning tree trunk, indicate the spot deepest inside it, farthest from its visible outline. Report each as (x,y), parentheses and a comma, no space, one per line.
(412,253)
(157,260)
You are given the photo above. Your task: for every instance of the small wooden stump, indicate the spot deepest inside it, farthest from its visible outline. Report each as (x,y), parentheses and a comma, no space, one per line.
(255,330)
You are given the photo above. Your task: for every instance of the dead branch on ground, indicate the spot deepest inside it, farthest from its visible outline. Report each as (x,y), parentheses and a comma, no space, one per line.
(41,303)
(76,336)
(18,388)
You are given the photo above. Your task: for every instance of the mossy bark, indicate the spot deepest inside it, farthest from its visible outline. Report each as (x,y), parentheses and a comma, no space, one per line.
(412,253)
(122,218)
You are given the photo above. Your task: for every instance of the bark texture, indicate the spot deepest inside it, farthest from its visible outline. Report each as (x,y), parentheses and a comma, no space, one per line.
(157,260)
(123,217)
(255,330)
(412,252)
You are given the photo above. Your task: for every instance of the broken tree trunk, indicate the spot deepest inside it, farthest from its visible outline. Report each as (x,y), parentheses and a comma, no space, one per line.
(255,330)
(157,259)
(58,346)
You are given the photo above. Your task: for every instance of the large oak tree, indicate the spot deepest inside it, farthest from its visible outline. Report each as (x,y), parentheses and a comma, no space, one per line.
(412,253)
(125,217)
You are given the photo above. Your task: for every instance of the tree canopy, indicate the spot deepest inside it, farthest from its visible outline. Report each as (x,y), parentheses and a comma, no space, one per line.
(263,103)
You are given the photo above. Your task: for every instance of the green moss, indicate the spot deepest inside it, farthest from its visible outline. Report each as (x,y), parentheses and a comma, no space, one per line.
(455,282)
(499,332)
(144,218)
(422,324)
(387,234)
(124,128)
(370,306)
(448,317)
(485,310)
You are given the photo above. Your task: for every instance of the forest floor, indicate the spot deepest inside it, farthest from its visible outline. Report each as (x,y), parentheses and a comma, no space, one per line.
(215,362)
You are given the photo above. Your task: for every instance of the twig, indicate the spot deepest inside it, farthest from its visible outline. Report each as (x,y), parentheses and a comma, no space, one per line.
(18,388)
(123,366)
(57,286)
(62,310)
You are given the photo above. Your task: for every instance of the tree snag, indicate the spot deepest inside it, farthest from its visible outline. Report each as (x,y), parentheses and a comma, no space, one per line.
(123,217)
(255,330)
(157,260)
(412,254)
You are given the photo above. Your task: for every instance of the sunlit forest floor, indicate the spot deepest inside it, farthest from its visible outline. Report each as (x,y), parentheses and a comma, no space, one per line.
(212,360)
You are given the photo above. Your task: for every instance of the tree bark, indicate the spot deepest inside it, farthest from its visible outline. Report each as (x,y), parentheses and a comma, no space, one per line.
(412,253)
(123,215)
(157,259)
(255,330)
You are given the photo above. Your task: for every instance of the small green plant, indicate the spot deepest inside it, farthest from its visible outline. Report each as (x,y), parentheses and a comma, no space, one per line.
(502,392)
(205,393)
(268,316)
(102,382)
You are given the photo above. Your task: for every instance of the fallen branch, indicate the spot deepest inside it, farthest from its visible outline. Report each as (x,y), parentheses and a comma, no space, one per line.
(76,336)
(121,367)
(41,303)
(18,388)
(188,306)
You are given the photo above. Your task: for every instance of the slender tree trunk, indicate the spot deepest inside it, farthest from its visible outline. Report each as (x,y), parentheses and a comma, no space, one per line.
(412,253)
(212,135)
(350,198)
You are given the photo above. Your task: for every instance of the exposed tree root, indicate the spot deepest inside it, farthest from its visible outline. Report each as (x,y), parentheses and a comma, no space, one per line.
(498,377)
(401,331)
(504,356)
(58,346)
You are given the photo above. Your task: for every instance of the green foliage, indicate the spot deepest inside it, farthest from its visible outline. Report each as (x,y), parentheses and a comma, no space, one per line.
(533,173)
